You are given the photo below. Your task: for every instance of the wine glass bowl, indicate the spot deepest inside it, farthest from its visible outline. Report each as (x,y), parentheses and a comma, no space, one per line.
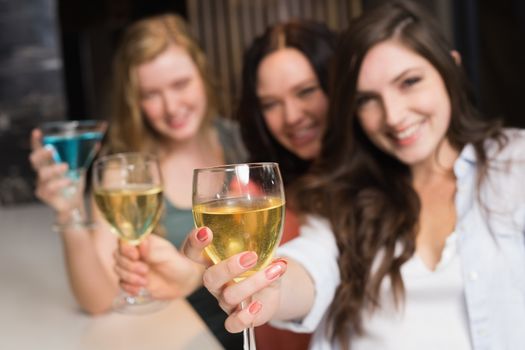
(128,192)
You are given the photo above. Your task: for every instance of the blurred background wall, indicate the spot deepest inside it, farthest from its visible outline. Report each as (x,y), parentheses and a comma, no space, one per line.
(55,56)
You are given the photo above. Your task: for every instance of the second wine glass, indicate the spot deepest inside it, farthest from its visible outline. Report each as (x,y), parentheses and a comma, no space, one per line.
(243,205)
(128,192)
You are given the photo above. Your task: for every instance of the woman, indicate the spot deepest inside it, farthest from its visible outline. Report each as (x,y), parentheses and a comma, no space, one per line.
(163,102)
(282,115)
(416,232)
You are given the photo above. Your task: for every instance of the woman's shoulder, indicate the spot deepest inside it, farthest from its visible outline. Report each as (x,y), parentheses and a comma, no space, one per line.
(230,138)
(510,148)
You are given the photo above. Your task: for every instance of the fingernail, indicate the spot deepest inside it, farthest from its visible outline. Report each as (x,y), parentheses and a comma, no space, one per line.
(275,270)
(202,234)
(248,259)
(255,307)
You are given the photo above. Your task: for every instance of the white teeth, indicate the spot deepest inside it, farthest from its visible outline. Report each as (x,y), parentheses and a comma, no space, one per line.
(411,130)
(300,133)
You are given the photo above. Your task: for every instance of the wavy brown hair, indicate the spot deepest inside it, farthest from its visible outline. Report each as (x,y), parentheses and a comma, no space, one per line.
(142,42)
(317,43)
(365,193)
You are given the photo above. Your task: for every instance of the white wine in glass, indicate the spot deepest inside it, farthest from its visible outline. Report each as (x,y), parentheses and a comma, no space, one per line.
(243,205)
(128,191)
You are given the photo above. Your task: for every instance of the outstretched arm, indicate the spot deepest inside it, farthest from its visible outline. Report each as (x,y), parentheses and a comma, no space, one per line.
(282,291)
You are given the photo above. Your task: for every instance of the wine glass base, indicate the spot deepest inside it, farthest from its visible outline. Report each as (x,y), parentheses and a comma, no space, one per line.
(138,305)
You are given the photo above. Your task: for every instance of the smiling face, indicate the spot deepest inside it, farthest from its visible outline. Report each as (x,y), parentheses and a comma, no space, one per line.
(292,102)
(403,104)
(172,94)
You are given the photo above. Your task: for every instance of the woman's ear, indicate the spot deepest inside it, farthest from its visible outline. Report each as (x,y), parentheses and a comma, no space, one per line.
(456,56)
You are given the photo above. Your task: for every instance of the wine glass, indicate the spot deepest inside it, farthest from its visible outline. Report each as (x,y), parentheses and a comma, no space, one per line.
(128,191)
(243,204)
(75,143)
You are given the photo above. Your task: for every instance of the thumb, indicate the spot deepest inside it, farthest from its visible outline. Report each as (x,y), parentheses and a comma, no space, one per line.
(36,139)
(128,250)
(144,248)
(195,243)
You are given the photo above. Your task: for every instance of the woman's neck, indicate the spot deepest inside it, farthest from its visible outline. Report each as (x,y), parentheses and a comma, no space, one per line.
(178,161)
(437,167)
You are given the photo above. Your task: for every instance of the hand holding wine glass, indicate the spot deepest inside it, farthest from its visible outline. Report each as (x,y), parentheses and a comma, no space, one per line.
(62,153)
(128,192)
(243,205)
(157,264)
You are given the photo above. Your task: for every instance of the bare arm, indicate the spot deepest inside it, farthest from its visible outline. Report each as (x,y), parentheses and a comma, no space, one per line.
(282,291)
(89,262)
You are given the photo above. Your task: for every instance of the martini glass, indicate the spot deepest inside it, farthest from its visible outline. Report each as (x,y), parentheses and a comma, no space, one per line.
(75,143)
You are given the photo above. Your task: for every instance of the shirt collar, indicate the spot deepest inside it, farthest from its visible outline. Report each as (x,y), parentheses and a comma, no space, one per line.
(465,162)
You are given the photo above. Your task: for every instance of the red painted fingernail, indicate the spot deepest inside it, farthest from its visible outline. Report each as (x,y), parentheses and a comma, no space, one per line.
(255,307)
(202,234)
(248,259)
(275,270)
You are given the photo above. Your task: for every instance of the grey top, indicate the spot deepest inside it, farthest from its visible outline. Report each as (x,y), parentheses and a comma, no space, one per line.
(179,221)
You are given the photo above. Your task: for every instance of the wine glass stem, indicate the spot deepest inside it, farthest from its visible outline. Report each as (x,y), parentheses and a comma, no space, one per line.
(248,333)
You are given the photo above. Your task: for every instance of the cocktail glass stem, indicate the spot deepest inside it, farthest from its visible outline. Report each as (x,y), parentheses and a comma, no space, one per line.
(74,193)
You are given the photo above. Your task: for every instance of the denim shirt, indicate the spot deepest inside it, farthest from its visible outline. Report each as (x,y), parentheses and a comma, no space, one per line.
(491,244)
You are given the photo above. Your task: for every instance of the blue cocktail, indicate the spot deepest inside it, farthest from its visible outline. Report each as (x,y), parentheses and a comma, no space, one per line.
(74,143)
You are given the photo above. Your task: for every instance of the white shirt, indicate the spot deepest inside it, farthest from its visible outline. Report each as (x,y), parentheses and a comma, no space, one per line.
(491,262)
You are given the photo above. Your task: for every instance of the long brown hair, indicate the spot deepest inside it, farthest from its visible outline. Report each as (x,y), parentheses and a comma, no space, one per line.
(142,42)
(317,43)
(366,194)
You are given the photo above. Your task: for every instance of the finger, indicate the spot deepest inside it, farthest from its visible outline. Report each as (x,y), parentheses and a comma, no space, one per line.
(144,248)
(132,266)
(235,293)
(36,139)
(41,157)
(217,276)
(244,318)
(195,243)
(130,288)
(52,172)
(51,188)
(129,277)
(128,251)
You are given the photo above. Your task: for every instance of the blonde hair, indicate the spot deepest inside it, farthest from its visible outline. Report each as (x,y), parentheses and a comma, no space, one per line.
(142,42)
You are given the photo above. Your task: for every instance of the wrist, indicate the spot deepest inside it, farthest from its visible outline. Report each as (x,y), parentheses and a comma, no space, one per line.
(70,219)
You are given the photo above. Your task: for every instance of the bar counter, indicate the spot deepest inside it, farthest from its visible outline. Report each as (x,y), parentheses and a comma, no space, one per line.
(38,311)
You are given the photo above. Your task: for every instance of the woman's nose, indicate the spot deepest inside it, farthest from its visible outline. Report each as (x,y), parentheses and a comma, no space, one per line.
(393,110)
(292,112)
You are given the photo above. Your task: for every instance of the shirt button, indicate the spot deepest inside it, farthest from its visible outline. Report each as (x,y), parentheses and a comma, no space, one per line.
(473,276)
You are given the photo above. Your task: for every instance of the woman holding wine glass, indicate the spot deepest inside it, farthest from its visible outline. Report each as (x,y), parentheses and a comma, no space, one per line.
(282,112)
(163,103)
(415,237)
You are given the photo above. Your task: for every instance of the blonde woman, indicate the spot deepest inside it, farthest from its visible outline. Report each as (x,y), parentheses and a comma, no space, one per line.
(163,102)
